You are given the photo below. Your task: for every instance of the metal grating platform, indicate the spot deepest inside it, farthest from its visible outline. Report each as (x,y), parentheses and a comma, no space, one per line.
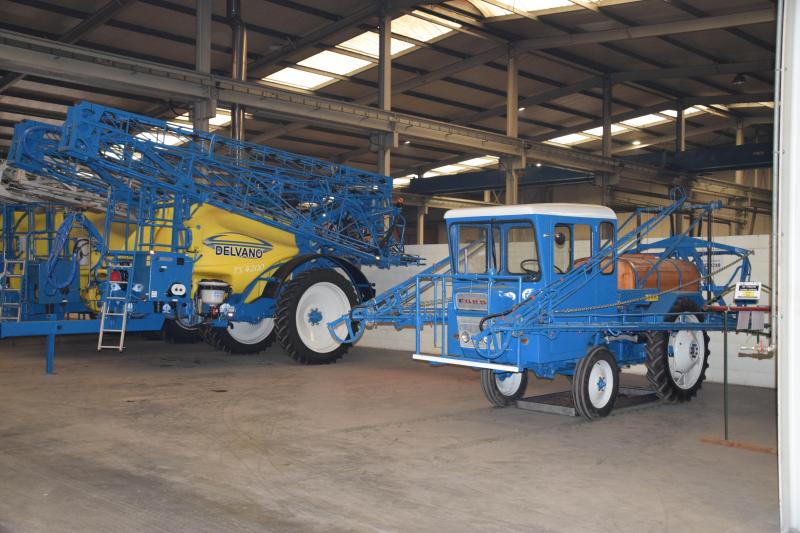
(560,403)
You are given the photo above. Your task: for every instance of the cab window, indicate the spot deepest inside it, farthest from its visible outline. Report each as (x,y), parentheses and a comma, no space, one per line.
(471,257)
(562,248)
(522,256)
(606,234)
(572,246)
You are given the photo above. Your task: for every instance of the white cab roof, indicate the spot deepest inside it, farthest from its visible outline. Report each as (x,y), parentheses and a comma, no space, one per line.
(566,210)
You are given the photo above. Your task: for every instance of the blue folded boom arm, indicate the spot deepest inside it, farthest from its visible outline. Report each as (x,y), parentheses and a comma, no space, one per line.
(332,209)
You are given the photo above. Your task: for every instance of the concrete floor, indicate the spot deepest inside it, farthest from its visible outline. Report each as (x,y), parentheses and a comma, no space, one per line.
(182,438)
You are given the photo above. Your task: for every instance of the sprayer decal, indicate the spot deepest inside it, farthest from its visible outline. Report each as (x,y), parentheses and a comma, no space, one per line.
(238,245)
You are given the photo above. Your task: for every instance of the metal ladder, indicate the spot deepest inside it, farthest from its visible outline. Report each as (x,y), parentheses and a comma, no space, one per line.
(115,309)
(11,297)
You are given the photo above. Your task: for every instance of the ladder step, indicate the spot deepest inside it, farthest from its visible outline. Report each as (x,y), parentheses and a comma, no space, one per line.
(114,314)
(111,347)
(105,330)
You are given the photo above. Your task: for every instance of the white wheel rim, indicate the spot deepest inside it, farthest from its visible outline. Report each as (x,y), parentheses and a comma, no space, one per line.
(320,304)
(601,384)
(249,333)
(686,352)
(509,383)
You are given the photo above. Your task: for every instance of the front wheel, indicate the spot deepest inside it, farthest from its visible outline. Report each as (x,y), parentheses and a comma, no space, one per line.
(305,307)
(503,388)
(595,384)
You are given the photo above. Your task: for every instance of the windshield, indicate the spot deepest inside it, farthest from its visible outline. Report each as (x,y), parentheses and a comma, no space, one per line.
(513,248)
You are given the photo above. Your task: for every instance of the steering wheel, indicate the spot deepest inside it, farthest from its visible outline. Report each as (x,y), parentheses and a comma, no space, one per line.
(558,270)
(529,270)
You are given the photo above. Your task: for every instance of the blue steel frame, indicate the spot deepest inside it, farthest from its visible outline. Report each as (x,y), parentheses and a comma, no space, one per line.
(548,324)
(331,209)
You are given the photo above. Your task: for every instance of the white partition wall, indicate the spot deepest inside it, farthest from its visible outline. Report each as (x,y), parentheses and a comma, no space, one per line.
(787,259)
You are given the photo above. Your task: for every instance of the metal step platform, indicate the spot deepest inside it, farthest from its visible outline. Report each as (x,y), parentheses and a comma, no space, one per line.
(561,403)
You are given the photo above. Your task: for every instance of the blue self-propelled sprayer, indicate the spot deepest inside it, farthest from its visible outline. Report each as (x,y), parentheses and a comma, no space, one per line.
(560,289)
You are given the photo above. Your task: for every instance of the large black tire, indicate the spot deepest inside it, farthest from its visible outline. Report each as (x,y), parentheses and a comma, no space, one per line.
(657,361)
(175,333)
(222,339)
(500,395)
(296,341)
(583,388)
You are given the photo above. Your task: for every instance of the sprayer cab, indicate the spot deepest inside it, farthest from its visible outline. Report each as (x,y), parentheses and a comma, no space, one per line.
(502,256)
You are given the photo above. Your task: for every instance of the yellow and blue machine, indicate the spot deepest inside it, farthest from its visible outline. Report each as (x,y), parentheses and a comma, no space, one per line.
(240,242)
(559,289)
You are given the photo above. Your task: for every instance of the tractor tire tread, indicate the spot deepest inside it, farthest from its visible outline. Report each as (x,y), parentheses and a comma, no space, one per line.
(284,318)
(658,367)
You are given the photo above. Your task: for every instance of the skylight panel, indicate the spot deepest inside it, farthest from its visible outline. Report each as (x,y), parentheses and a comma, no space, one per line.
(598,132)
(336,63)
(451,169)
(689,111)
(536,5)
(299,78)
(489,10)
(418,29)
(645,120)
(402,182)
(572,138)
(467,165)
(484,161)
(368,43)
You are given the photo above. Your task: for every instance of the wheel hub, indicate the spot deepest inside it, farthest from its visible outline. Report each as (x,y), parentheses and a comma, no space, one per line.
(314,316)
(686,354)
(508,383)
(600,377)
(321,302)
(685,351)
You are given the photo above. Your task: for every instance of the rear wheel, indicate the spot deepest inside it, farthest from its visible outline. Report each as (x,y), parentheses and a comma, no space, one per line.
(677,361)
(242,337)
(595,384)
(304,308)
(503,388)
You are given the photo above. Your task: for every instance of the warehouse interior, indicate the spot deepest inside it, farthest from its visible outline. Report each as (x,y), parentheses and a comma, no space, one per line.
(652,108)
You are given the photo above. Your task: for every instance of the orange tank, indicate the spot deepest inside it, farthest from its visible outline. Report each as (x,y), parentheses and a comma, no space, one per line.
(671,273)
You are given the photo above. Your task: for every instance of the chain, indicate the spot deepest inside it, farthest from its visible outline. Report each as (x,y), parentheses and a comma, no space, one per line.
(426,303)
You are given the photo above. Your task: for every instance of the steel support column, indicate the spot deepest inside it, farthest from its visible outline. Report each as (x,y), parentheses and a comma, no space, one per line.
(512,124)
(739,142)
(785,258)
(238,63)
(385,84)
(680,129)
(202,109)
(607,114)
(421,212)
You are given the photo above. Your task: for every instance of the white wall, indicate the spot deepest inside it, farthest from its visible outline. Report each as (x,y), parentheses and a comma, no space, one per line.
(741,370)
